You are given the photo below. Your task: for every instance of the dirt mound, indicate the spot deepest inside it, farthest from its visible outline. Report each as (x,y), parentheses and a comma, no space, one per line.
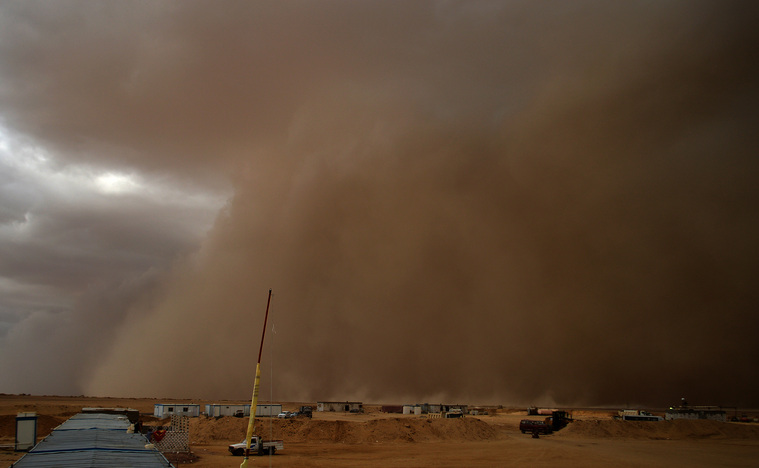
(227,429)
(207,430)
(397,430)
(676,429)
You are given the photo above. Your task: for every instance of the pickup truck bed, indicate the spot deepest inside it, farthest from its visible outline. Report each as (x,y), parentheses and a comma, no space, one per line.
(267,447)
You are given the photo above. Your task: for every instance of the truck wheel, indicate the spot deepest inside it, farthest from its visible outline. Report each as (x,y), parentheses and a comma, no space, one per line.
(238,452)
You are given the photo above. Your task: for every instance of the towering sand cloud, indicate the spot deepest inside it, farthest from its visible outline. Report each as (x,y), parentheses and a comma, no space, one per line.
(476,201)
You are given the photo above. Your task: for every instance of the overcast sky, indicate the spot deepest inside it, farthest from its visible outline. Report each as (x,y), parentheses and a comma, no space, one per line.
(478,201)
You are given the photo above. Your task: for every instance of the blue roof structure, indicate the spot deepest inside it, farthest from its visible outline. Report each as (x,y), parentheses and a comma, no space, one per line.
(93,440)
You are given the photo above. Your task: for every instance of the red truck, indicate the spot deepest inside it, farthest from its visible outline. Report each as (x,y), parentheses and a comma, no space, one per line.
(558,420)
(531,426)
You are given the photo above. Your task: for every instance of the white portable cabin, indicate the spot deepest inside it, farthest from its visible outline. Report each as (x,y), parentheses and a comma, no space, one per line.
(164,410)
(427,408)
(268,410)
(340,406)
(703,412)
(218,410)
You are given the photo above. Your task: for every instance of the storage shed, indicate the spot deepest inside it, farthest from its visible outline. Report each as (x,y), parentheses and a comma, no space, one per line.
(340,406)
(165,410)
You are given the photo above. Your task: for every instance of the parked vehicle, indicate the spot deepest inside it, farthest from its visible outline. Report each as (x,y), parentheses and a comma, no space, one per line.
(454,413)
(286,415)
(638,415)
(533,427)
(305,411)
(559,420)
(265,447)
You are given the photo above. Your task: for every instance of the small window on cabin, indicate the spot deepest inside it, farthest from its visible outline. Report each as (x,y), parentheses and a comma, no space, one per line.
(185,409)
(171,409)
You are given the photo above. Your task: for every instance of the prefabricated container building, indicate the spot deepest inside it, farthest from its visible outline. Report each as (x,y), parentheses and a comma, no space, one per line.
(340,406)
(217,410)
(93,441)
(697,412)
(165,410)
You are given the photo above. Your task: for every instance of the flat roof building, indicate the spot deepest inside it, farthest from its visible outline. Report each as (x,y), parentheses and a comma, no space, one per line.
(216,410)
(165,410)
(714,413)
(340,406)
(93,441)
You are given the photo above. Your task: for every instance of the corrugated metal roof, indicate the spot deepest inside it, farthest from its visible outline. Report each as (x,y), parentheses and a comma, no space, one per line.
(95,421)
(93,440)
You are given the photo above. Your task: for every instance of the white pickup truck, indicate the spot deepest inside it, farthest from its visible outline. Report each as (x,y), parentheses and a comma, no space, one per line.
(265,447)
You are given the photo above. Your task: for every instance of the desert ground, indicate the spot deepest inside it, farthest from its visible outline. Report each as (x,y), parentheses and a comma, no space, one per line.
(376,439)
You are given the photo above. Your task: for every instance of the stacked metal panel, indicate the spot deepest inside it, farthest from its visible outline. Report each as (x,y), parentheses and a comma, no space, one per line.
(93,440)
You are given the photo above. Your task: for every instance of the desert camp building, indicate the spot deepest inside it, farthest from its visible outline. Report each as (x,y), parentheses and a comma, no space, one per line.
(165,410)
(340,406)
(89,440)
(714,413)
(428,408)
(217,410)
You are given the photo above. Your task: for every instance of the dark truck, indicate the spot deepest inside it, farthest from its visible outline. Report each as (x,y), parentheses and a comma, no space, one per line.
(535,427)
(557,420)
(306,412)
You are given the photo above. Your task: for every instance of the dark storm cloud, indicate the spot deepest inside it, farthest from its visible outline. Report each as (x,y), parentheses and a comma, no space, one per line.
(75,254)
(480,201)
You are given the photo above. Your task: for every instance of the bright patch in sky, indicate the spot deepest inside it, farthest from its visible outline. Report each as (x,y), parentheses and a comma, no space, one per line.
(111,182)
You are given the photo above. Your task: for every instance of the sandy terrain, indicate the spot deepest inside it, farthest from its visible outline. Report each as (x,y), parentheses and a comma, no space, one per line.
(375,439)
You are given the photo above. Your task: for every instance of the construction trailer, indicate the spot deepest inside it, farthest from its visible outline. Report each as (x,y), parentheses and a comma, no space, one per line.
(432,408)
(714,413)
(268,410)
(166,410)
(217,410)
(340,406)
